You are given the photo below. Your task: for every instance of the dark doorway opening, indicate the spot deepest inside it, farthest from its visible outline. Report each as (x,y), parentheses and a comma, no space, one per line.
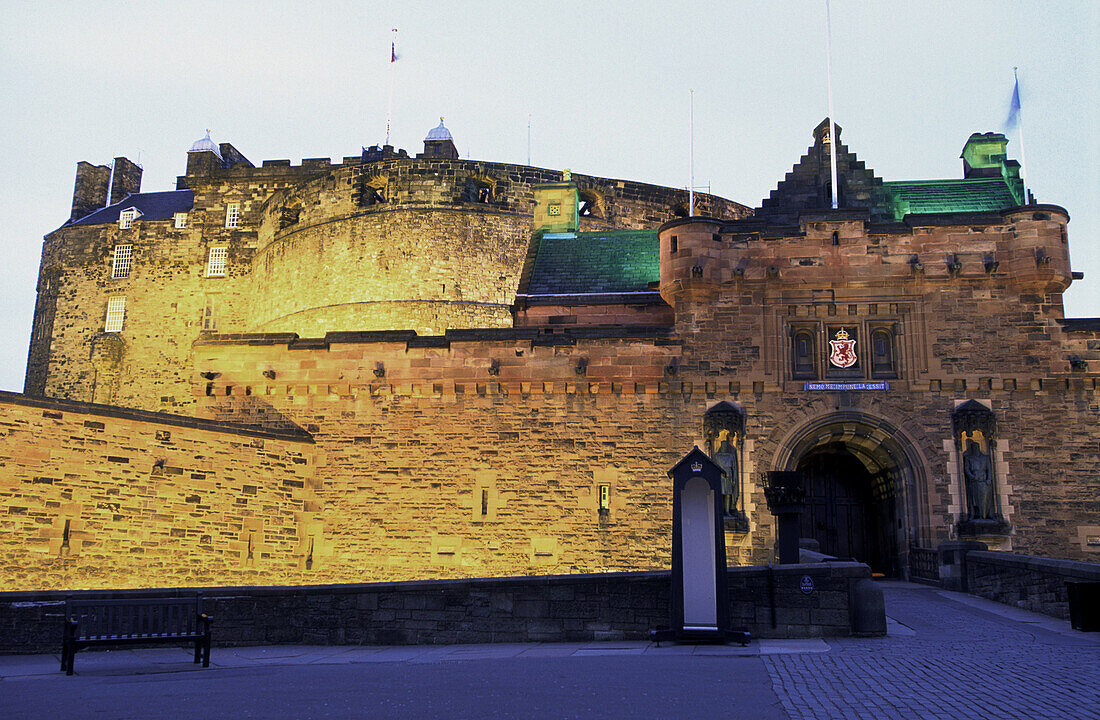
(849,510)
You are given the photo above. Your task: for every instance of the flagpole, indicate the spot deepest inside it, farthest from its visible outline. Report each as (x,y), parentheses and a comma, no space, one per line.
(389,104)
(829,75)
(528,139)
(691,153)
(1020,131)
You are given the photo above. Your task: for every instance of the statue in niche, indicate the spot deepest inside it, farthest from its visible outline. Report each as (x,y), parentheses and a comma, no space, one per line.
(726,458)
(979,482)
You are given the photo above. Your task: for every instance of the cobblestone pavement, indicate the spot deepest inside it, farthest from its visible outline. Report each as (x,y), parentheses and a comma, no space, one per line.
(947,656)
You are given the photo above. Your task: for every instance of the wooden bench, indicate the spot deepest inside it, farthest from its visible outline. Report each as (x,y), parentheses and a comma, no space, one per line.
(140,621)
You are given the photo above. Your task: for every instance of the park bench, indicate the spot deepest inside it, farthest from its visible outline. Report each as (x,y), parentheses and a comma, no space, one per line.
(140,621)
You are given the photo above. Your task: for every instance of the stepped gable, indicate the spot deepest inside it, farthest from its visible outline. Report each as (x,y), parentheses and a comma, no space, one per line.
(807,185)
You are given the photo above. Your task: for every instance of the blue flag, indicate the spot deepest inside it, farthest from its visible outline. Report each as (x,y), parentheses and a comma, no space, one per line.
(1014,107)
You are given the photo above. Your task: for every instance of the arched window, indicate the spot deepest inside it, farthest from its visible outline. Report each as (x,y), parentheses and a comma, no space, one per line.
(290,213)
(374,191)
(882,354)
(803,366)
(477,190)
(592,204)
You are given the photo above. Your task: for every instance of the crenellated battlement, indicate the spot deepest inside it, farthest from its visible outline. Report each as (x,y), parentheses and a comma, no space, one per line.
(1025,247)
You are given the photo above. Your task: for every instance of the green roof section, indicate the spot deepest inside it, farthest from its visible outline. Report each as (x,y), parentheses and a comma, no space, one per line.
(921,197)
(616,261)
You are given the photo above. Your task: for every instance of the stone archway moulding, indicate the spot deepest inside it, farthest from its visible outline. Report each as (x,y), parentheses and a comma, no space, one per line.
(871,438)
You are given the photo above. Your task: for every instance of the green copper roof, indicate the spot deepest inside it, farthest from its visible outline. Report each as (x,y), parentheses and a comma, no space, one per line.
(919,197)
(616,261)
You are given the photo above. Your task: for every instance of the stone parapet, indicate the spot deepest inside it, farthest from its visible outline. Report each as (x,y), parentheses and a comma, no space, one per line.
(1037,584)
(769,602)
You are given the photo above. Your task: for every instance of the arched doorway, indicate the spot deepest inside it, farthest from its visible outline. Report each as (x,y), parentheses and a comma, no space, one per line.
(862,476)
(850,512)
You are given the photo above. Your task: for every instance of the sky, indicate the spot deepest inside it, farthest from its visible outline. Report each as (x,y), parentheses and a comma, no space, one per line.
(601,88)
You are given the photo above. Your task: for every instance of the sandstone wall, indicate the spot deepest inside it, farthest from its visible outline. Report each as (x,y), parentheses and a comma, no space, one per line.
(426,259)
(101,497)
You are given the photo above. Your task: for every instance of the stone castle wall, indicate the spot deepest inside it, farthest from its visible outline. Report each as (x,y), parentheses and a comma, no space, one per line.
(100,497)
(426,259)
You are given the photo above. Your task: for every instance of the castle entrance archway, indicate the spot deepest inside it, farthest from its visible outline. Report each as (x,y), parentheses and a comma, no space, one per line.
(861,475)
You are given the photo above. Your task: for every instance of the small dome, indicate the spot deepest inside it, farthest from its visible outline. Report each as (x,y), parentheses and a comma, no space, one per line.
(205,144)
(439,133)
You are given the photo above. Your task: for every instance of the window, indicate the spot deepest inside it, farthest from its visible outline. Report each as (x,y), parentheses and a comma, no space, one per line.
(802,357)
(116,310)
(882,354)
(233,215)
(605,499)
(126,218)
(215,264)
(120,261)
(181,220)
(209,318)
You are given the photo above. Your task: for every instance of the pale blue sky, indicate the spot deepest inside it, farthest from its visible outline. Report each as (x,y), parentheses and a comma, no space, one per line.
(605,85)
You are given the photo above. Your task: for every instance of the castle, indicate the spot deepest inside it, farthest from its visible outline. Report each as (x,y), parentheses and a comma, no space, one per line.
(402,367)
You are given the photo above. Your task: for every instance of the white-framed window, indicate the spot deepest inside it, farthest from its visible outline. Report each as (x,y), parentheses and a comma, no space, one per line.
(120,261)
(233,215)
(215,263)
(126,218)
(181,220)
(209,316)
(116,311)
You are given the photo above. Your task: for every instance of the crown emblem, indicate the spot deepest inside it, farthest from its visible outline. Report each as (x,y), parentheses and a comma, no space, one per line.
(696,466)
(842,334)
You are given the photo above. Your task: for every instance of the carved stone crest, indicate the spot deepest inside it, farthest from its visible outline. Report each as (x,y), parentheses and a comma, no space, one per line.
(842,350)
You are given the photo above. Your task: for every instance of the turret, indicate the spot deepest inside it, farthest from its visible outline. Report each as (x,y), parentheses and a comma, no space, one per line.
(691,258)
(1038,254)
(439,143)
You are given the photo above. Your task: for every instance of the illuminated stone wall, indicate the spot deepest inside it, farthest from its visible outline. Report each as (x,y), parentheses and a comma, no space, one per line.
(313,253)
(97,497)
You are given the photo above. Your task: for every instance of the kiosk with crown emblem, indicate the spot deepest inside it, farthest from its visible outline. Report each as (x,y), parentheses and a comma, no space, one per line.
(699,602)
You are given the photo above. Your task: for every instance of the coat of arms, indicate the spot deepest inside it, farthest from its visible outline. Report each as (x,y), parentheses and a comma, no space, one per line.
(842,350)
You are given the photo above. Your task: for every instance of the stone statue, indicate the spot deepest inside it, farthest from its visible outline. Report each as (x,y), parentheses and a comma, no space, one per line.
(726,458)
(979,482)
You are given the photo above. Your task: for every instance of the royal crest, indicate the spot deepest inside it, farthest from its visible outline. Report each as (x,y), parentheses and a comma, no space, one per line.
(842,350)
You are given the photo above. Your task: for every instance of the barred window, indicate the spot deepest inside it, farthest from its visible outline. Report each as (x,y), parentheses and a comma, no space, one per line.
(120,261)
(126,218)
(233,215)
(215,264)
(116,311)
(181,220)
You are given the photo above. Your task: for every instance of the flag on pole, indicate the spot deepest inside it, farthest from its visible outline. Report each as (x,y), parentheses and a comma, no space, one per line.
(393,52)
(1015,122)
(1014,106)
